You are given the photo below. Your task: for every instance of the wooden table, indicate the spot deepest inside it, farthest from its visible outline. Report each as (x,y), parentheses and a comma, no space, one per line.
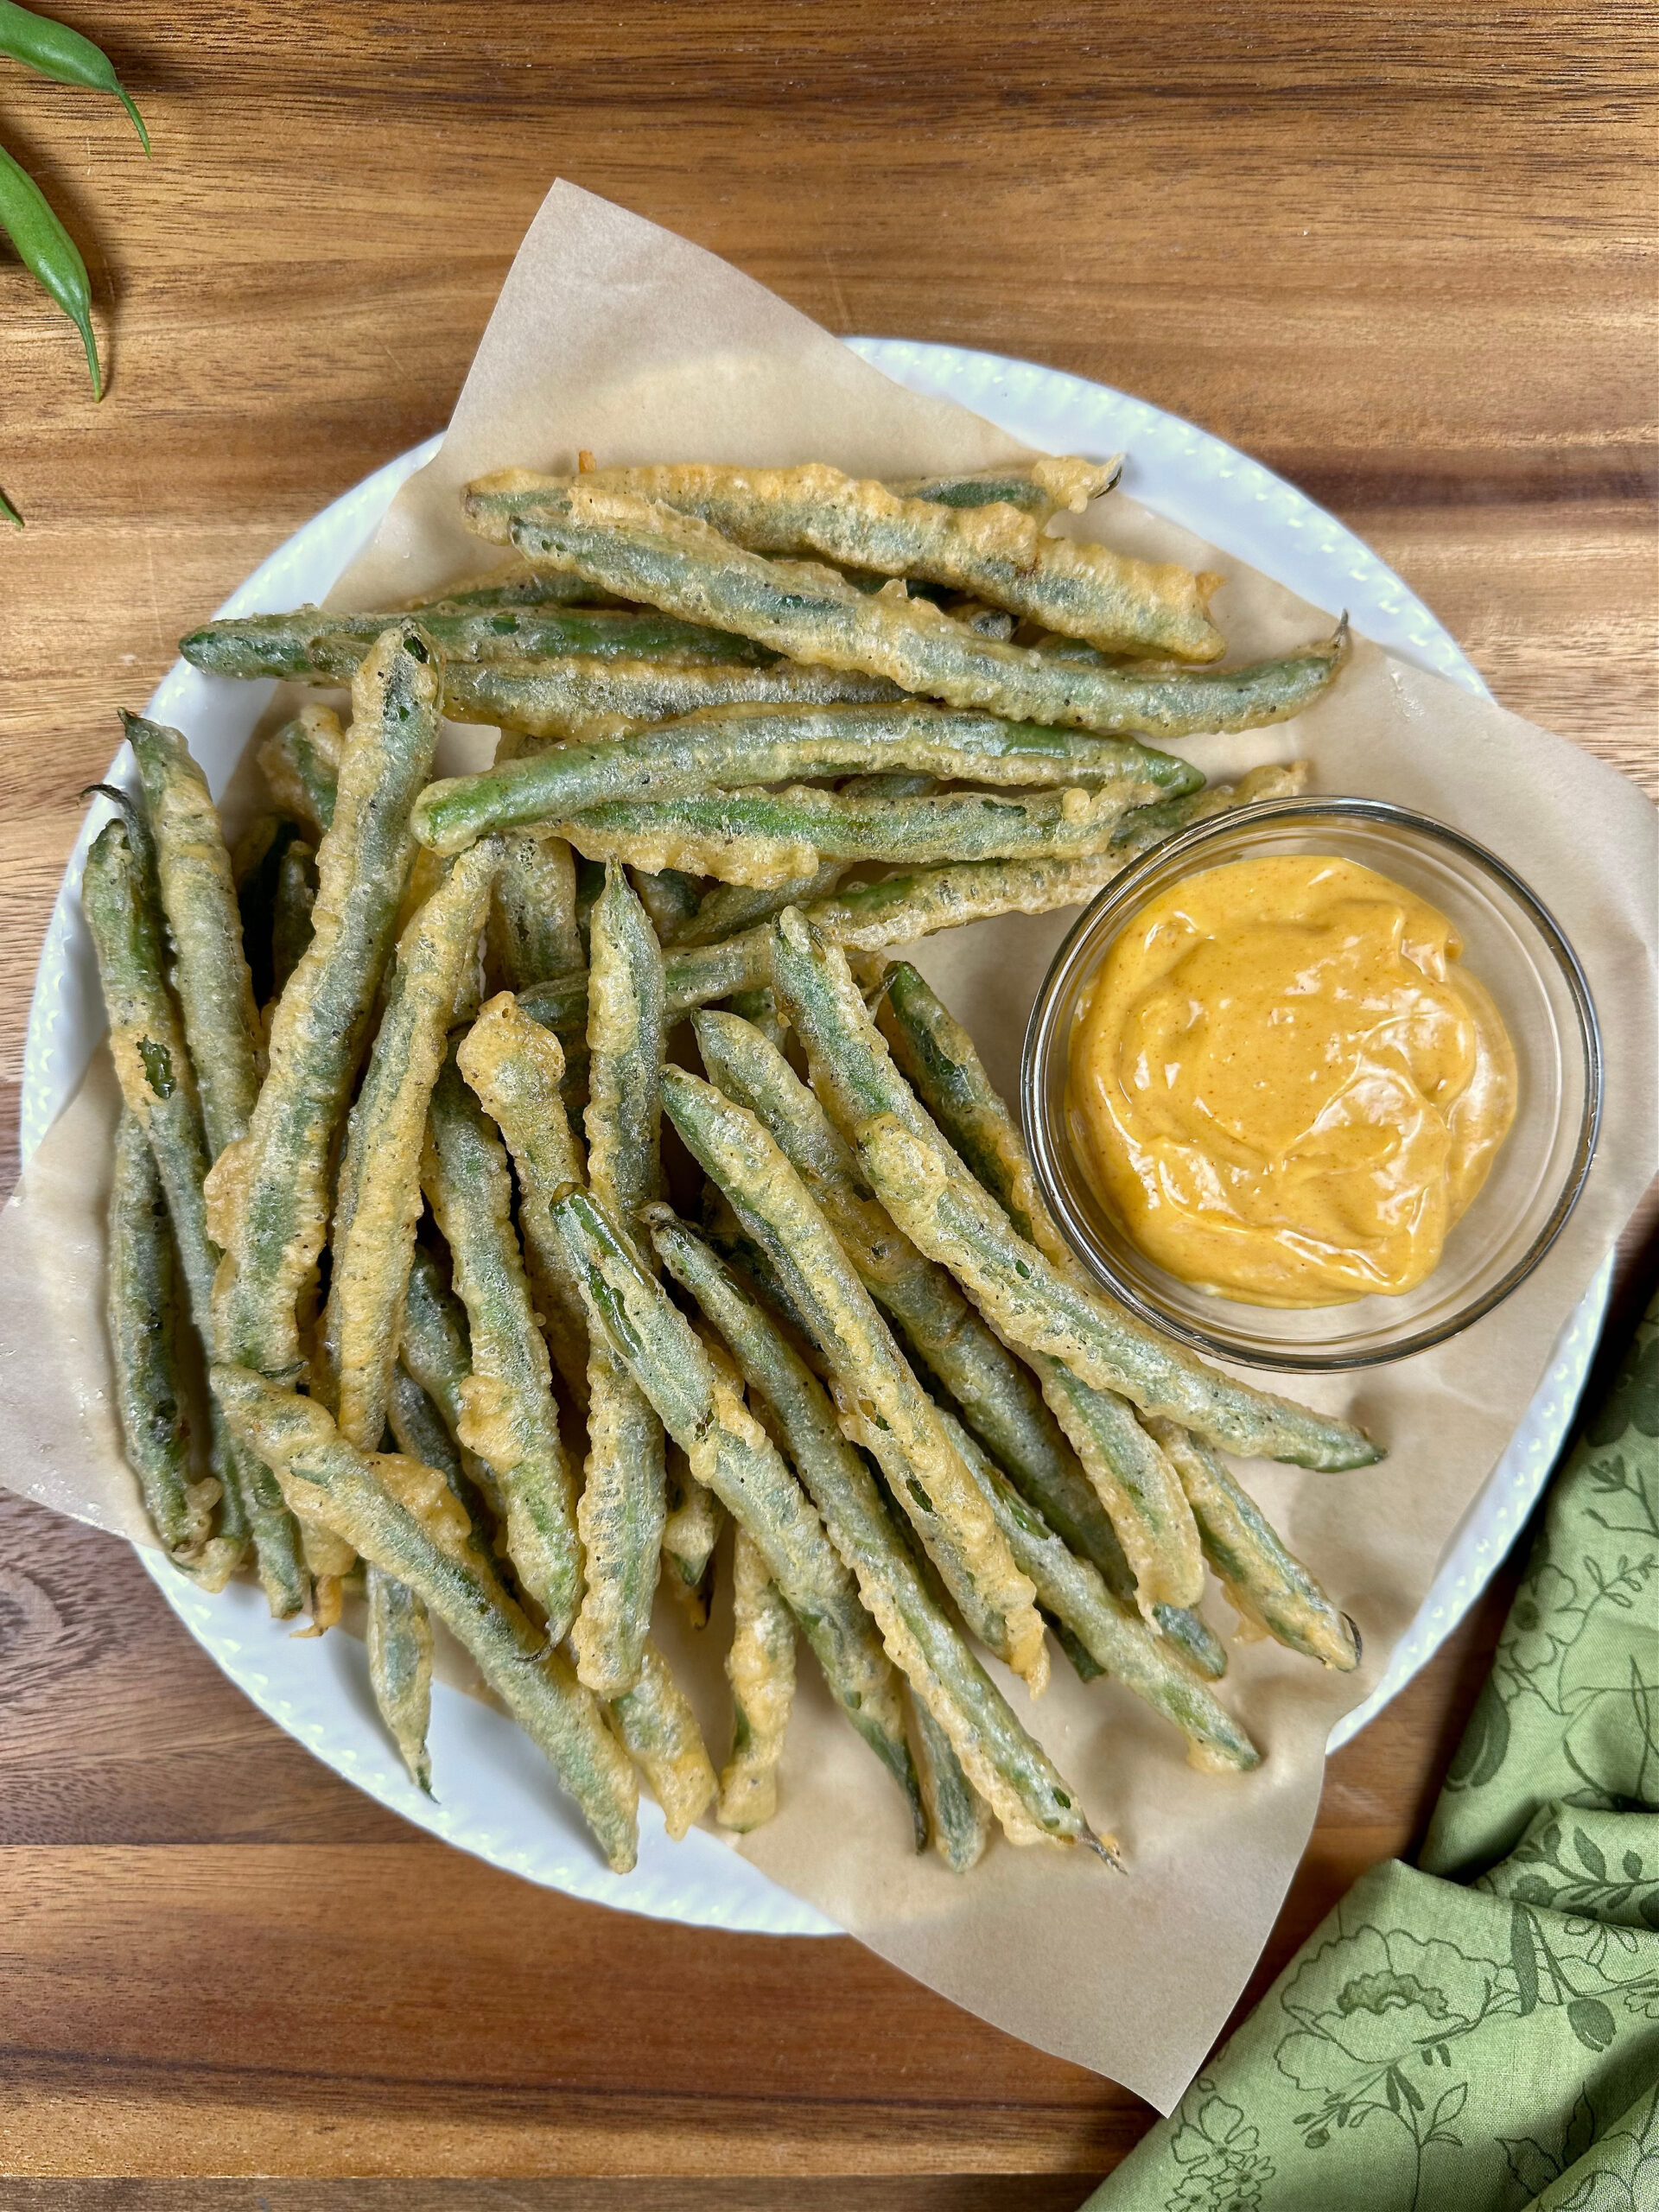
(1395,253)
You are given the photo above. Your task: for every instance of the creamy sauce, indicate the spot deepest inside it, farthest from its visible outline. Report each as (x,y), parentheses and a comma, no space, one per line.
(1283,1085)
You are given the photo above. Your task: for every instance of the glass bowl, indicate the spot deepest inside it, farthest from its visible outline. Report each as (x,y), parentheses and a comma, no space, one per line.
(1510,945)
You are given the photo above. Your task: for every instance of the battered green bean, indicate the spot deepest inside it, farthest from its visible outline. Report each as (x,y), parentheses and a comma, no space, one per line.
(1115,1638)
(300,764)
(738,746)
(704,1412)
(1268,1585)
(269,1191)
(1031,1302)
(194,882)
(517,1068)
(668,895)
(772,837)
(143,1312)
(727,908)
(1008,1768)
(372,1238)
(1052,484)
(319,644)
(999,1399)
(579,695)
(802,610)
(198,895)
(399,1640)
(437,1355)
(403,1517)
(533,918)
(880,1401)
(508,1416)
(760,1668)
(696,1517)
(663,1740)
(291,927)
(957,1816)
(993,551)
(868,917)
(512,583)
(937,1059)
(152,1065)
(623,1501)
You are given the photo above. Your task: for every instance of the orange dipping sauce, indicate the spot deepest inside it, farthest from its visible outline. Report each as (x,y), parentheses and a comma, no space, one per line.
(1285,1087)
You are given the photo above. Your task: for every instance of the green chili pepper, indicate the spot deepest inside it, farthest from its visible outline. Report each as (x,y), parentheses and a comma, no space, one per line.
(48,253)
(52,50)
(9,511)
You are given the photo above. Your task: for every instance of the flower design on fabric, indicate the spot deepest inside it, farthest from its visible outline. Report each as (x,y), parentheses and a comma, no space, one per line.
(1371,2000)
(1541,1600)
(1220,2155)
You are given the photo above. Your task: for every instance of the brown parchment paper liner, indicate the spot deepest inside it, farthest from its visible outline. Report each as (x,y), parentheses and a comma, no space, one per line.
(613,335)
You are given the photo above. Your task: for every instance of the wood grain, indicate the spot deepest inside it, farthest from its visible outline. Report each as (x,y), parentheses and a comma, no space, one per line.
(1402,255)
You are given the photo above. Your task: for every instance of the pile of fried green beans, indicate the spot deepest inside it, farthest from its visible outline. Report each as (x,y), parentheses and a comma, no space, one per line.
(482,1349)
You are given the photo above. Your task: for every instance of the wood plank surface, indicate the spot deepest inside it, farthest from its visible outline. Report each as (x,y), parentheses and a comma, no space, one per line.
(1403,254)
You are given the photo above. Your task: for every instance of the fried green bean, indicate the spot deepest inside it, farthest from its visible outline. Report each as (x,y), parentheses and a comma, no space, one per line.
(957,1816)
(703,1409)
(512,583)
(403,1517)
(878,1397)
(291,926)
(696,1517)
(508,1416)
(223,1034)
(760,1668)
(437,1357)
(149,1398)
(770,837)
(319,644)
(993,551)
(1008,1768)
(517,1068)
(669,895)
(999,1399)
(399,1640)
(578,696)
(1114,1636)
(728,908)
(301,764)
(1136,1484)
(152,1065)
(372,1238)
(624,1499)
(802,610)
(664,1742)
(533,916)
(1268,1585)
(869,916)
(198,895)
(269,1191)
(937,1059)
(1029,1301)
(743,746)
(1052,484)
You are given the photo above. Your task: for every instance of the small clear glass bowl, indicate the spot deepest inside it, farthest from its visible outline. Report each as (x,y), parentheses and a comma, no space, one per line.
(1510,945)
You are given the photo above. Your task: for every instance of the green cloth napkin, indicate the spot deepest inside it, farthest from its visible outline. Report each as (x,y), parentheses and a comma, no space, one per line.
(1481,2033)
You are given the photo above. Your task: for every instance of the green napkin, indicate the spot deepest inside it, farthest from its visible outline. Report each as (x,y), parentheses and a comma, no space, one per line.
(1481,2033)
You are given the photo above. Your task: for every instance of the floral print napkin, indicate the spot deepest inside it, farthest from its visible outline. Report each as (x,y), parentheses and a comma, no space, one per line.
(1480,2033)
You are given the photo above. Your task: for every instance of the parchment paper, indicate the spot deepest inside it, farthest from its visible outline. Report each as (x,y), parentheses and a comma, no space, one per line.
(612,335)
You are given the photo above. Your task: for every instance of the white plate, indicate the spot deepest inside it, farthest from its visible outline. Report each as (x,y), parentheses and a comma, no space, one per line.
(499,1800)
